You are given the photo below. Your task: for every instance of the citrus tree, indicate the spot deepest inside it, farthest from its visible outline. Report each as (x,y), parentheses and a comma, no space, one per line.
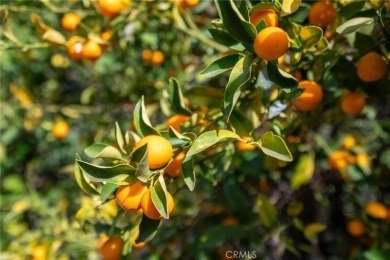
(256,128)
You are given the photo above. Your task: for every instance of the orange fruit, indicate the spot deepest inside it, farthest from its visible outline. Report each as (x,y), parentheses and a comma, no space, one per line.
(75,47)
(111,8)
(322,13)
(157,58)
(129,196)
(159,150)
(376,210)
(271,43)
(268,15)
(134,237)
(91,50)
(147,55)
(174,168)
(353,103)
(112,249)
(190,3)
(106,35)
(338,160)
(371,67)
(148,206)
(39,252)
(355,227)
(177,120)
(230,221)
(70,21)
(242,146)
(60,129)
(348,142)
(310,98)
(363,160)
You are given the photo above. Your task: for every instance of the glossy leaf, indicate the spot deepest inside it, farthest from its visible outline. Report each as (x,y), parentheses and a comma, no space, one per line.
(267,212)
(224,38)
(103,151)
(221,65)
(188,172)
(159,197)
(107,190)
(277,75)
(120,140)
(303,171)
(274,146)
(240,124)
(147,229)
(82,182)
(139,160)
(240,75)
(313,229)
(141,120)
(276,108)
(354,24)
(234,22)
(177,99)
(121,174)
(210,138)
(310,35)
(54,37)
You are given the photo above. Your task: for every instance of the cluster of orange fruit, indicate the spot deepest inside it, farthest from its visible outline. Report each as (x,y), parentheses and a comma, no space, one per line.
(153,58)
(356,227)
(351,153)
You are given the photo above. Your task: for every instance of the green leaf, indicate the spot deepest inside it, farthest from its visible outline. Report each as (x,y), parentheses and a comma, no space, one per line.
(218,235)
(274,146)
(294,94)
(103,151)
(224,38)
(177,99)
(131,139)
(147,229)
(295,208)
(188,172)
(107,190)
(82,182)
(234,22)
(289,7)
(276,108)
(261,26)
(267,212)
(174,133)
(54,37)
(277,75)
(210,138)
(240,75)
(221,65)
(303,171)
(313,229)
(141,120)
(354,24)
(240,124)
(119,138)
(139,160)
(377,254)
(310,35)
(159,197)
(121,174)
(205,97)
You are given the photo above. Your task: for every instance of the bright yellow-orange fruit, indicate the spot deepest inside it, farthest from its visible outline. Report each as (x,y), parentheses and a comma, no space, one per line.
(271,43)
(147,55)
(349,142)
(91,50)
(106,35)
(148,206)
(177,120)
(75,47)
(322,13)
(355,227)
(157,58)
(371,67)
(363,160)
(376,210)
(190,3)
(134,237)
(268,15)
(70,21)
(129,196)
(174,168)
(338,160)
(353,103)
(159,150)
(111,8)
(112,249)
(310,98)
(60,129)
(244,146)
(39,252)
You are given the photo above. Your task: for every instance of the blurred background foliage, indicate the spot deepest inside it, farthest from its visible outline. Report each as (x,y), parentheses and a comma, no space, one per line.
(304,207)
